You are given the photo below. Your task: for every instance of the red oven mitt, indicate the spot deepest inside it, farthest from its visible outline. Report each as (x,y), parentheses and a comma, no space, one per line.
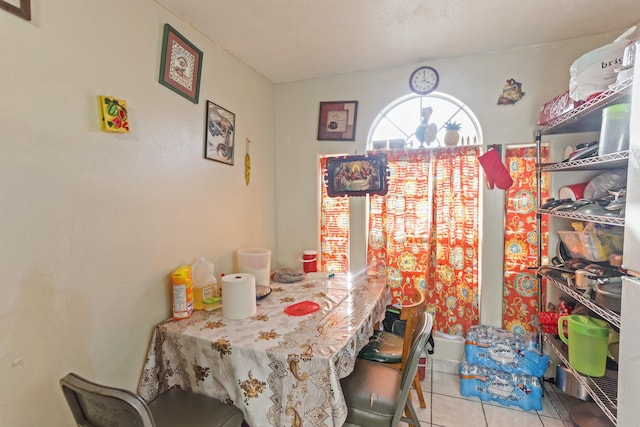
(495,170)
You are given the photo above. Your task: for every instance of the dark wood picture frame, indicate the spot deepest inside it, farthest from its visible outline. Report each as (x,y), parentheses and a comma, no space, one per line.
(180,64)
(23,11)
(337,121)
(357,175)
(220,134)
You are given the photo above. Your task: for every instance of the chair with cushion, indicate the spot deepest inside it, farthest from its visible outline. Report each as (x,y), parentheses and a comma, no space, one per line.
(95,405)
(377,393)
(389,347)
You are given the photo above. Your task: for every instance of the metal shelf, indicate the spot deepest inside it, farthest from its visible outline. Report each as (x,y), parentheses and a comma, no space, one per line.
(610,220)
(588,116)
(618,160)
(603,390)
(610,316)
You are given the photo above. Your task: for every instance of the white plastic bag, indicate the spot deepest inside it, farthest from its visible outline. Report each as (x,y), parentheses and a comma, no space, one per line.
(600,184)
(594,71)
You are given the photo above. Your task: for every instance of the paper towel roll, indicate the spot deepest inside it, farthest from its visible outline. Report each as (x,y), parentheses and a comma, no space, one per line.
(238,296)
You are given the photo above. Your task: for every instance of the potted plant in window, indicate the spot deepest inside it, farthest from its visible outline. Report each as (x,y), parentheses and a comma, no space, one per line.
(452,134)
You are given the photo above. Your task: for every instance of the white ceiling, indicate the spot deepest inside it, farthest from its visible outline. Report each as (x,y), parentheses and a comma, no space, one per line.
(289,40)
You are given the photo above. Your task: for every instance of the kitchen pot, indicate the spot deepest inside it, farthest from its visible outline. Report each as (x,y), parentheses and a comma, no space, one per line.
(615,260)
(585,281)
(608,293)
(569,263)
(588,414)
(588,341)
(567,382)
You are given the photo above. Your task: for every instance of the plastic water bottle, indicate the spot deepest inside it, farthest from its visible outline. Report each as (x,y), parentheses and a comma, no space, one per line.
(205,284)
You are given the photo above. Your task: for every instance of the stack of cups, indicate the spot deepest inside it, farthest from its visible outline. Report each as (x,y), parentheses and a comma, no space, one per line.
(310,261)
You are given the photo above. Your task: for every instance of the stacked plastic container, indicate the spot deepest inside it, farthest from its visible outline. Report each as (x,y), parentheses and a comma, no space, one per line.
(503,367)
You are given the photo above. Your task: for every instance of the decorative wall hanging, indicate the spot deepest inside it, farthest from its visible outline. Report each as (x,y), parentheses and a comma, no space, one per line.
(247,164)
(220,134)
(511,93)
(337,121)
(113,113)
(21,8)
(180,64)
(357,175)
(426,132)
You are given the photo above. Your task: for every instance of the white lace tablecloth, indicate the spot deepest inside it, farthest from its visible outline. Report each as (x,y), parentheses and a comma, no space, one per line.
(281,370)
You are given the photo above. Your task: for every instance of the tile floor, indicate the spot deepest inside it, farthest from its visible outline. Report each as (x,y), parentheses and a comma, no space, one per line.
(446,407)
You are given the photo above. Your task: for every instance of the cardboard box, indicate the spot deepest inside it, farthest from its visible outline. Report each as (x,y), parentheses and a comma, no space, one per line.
(558,106)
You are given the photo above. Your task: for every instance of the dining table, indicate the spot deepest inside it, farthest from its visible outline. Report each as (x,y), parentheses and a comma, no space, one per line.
(281,366)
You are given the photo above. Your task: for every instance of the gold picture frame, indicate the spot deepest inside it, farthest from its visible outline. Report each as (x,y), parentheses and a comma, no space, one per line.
(357,175)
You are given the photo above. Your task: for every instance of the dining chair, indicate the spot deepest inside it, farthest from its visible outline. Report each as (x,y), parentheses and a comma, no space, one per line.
(95,405)
(393,349)
(377,394)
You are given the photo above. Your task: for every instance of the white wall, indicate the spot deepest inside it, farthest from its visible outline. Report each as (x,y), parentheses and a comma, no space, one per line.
(477,80)
(92,223)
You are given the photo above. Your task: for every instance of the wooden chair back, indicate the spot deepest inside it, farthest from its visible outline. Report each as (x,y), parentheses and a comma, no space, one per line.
(411,313)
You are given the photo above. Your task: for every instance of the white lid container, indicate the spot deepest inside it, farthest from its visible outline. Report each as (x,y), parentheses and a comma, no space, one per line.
(614,131)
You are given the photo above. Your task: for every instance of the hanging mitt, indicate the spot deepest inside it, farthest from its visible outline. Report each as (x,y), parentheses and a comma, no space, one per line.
(495,170)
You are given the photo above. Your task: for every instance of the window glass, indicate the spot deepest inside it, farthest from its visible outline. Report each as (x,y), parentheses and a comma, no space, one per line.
(396,125)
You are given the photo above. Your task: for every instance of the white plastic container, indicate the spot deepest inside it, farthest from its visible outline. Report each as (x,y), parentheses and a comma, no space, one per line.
(614,131)
(205,285)
(256,261)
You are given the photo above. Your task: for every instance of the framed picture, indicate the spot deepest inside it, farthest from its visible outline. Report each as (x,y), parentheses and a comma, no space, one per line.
(220,134)
(337,121)
(180,64)
(21,8)
(357,175)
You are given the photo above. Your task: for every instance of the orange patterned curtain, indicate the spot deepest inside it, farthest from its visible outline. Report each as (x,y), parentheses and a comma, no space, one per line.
(334,229)
(424,232)
(520,299)
(453,273)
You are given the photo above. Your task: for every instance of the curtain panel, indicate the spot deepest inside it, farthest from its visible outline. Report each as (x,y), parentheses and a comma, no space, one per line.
(520,293)
(334,228)
(424,232)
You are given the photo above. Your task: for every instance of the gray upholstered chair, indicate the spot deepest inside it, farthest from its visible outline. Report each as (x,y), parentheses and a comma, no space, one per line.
(376,393)
(95,405)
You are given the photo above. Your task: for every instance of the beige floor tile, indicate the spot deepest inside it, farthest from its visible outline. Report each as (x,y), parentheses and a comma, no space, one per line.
(450,411)
(552,422)
(426,383)
(548,410)
(446,407)
(424,414)
(499,416)
(448,385)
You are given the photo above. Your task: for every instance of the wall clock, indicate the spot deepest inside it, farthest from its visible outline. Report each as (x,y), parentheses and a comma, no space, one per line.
(424,80)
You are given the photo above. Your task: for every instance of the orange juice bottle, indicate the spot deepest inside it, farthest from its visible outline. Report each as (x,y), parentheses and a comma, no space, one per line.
(182,292)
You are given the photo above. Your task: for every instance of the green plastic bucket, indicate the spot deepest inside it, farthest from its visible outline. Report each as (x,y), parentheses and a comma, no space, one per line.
(588,342)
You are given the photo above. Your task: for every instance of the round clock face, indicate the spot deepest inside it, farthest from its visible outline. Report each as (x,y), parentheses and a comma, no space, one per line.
(424,80)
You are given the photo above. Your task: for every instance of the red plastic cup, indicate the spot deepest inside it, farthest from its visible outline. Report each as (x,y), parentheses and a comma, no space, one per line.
(310,261)
(573,192)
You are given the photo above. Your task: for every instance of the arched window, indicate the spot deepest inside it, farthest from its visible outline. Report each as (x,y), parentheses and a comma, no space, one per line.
(424,233)
(399,124)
